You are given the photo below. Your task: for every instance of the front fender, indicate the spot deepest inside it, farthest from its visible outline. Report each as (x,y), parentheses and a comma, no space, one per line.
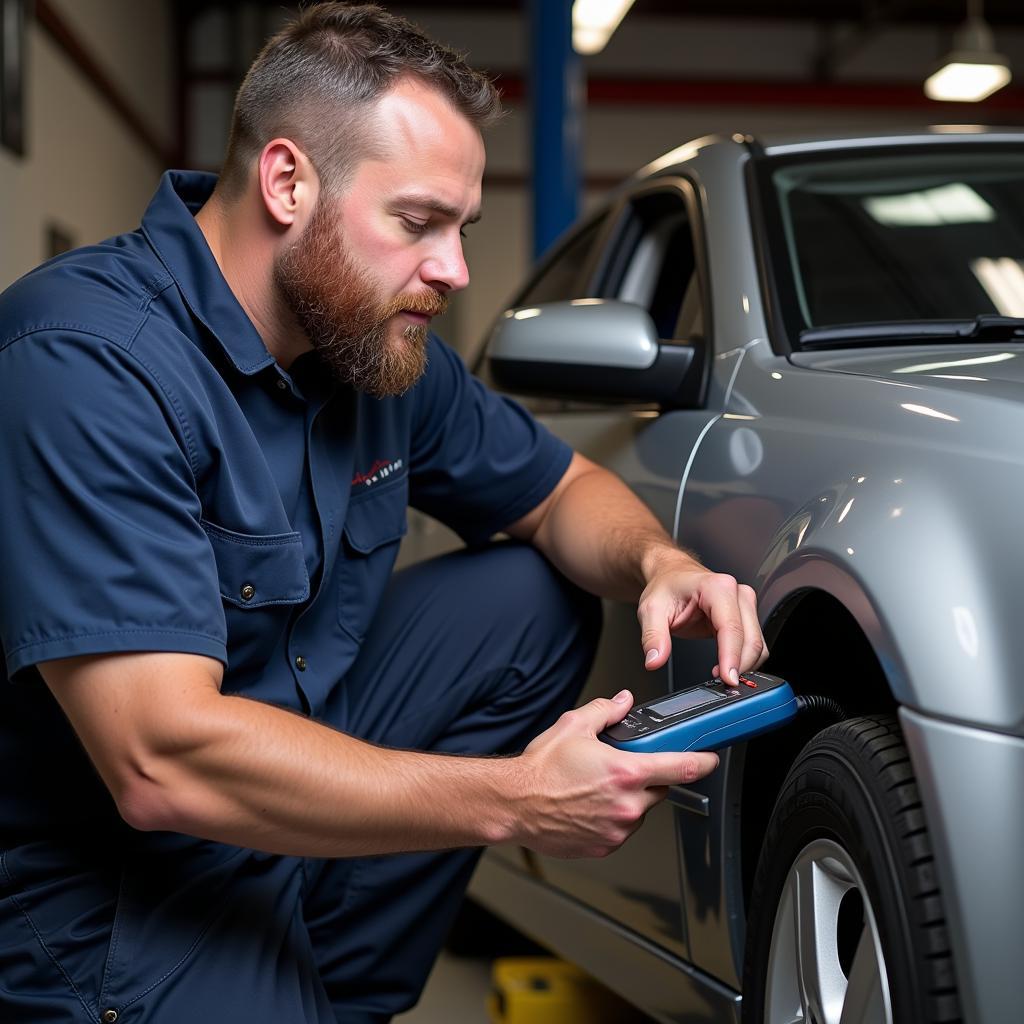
(909,536)
(811,571)
(899,554)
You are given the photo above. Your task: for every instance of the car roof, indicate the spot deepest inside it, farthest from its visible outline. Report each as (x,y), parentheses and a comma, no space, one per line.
(777,144)
(774,144)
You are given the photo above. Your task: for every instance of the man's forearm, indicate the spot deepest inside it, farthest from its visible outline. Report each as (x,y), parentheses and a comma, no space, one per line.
(258,776)
(605,539)
(178,755)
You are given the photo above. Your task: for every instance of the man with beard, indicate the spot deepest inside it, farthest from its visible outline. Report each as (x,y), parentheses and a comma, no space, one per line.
(213,427)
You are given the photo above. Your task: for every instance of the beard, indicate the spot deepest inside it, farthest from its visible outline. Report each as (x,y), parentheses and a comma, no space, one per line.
(344,315)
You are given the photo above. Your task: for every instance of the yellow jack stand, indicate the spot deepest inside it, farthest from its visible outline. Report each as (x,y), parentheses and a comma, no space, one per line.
(543,990)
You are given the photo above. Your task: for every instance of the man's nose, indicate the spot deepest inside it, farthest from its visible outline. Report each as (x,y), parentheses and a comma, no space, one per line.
(446,268)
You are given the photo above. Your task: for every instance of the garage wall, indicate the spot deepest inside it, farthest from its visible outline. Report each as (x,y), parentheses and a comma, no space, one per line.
(84,173)
(89,176)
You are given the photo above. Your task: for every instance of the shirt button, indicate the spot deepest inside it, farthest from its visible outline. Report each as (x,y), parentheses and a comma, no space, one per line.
(109,1016)
(300,663)
(248,592)
(282,385)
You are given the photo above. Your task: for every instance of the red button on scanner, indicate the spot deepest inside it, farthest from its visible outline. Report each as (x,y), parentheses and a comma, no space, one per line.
(748,682)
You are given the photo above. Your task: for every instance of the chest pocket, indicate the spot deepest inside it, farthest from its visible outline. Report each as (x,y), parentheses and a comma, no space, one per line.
(374,526)
(256,570)
(261,577)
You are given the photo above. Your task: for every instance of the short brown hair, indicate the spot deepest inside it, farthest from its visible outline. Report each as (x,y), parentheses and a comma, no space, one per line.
(314,81)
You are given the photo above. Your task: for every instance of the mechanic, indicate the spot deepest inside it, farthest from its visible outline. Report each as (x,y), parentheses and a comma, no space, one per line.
(212,429)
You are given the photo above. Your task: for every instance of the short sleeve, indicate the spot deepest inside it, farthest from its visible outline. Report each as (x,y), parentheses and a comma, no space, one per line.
(479,461)
(101,545)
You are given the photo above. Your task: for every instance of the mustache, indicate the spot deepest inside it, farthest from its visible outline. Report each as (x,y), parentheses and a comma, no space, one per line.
(429,303)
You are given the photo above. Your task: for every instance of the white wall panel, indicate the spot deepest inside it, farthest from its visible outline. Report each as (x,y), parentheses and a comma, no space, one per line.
(133,41)
(82,172)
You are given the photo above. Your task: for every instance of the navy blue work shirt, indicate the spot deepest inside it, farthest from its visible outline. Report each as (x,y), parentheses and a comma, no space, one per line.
(168,487)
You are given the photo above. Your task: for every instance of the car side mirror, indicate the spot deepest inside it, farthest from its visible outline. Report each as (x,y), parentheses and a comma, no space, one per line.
(594,349)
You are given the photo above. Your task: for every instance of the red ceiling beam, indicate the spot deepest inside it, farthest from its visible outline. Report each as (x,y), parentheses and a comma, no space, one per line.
(695,92)
(648,92)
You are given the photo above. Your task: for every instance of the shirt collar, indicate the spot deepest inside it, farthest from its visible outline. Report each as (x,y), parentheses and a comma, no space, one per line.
(171,229)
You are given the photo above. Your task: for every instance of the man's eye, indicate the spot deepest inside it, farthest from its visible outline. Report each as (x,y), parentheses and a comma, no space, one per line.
(413,225)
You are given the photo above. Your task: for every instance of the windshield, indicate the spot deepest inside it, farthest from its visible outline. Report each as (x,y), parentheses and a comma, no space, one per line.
(920,236)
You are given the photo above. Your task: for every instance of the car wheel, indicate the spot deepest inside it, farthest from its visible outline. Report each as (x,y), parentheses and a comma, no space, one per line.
(846,921)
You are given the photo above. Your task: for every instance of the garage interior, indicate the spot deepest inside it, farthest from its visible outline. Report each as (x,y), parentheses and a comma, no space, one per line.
(100,96)
(114,91)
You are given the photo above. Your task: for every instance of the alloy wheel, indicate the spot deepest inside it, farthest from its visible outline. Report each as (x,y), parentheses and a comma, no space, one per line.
(825,963)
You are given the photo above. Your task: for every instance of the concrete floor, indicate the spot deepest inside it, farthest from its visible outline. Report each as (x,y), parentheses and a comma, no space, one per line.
(458,987)
(456,991)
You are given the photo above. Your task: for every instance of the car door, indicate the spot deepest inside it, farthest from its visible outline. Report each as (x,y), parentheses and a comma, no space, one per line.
(648,249)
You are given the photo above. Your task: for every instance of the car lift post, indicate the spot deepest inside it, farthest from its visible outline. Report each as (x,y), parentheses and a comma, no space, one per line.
(556,103)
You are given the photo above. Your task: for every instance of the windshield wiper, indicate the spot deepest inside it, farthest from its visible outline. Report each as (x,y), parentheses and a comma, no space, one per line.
(987,327)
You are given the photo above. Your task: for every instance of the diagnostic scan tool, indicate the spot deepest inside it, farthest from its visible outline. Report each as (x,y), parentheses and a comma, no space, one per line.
(706,717)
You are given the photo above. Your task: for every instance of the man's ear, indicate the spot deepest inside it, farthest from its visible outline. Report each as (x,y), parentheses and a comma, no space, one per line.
(288,182)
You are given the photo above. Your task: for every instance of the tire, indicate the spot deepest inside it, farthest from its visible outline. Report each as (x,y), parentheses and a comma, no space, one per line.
(846,921)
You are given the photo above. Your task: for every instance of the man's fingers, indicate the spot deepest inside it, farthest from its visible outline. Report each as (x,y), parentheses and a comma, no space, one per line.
(717,673)
(654,632)
(666,769)
(718,604)
(724,613)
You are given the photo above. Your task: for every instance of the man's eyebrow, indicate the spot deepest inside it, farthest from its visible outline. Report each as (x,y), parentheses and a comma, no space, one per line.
(435,204)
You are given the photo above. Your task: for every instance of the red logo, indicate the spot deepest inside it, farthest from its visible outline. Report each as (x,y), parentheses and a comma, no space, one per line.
(380,470)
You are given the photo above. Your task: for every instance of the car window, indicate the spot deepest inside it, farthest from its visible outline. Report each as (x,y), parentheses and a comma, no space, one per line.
(655,264)
(904,237)
(563,276)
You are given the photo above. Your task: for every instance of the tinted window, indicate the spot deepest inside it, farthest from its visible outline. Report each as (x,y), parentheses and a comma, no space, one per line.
(655,264)
(936,236)
(559,279)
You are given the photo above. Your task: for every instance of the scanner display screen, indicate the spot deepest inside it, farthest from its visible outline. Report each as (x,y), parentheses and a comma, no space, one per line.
(684,701)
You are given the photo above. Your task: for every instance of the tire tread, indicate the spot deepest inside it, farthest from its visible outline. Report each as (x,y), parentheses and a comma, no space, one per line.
(875,745)
(896,777)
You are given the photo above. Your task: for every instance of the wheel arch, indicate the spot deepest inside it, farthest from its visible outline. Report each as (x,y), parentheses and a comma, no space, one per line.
(820,646)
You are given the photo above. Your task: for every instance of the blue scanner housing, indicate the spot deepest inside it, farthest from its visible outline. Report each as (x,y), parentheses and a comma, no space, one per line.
(706,717)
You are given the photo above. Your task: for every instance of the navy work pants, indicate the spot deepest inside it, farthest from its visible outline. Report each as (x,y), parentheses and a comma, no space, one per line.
(473,653)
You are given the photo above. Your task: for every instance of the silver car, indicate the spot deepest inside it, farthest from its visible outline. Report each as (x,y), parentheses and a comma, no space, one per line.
(807,356)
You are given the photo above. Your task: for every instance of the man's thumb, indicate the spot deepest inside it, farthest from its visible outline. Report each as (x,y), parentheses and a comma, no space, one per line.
(601,713)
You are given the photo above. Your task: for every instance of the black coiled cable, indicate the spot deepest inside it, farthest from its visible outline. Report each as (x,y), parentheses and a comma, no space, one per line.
(819,704)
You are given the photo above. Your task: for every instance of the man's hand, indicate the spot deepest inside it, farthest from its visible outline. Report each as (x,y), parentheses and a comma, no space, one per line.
(607,541)
(684,599)
(579,797)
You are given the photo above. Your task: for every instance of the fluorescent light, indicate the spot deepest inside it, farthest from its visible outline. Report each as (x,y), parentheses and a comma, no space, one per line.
(963,82)
(955,203)
(1003,281)
(973,70)
(594,21)
(586,39)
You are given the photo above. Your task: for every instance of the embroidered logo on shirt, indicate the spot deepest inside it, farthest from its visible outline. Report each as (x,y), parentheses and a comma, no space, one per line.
(380,470)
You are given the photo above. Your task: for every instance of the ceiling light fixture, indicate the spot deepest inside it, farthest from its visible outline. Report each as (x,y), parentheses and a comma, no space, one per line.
(594,21)
(973,70)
